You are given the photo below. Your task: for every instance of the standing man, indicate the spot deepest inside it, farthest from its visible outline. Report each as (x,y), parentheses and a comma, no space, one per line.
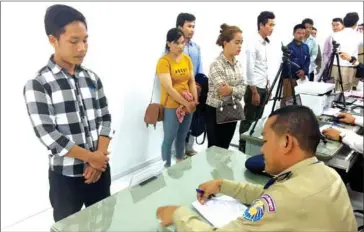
(69,113)
(186,22)
(299,54)
(350,41)
(312,45)
(257,74)
(337,25)
(318,61)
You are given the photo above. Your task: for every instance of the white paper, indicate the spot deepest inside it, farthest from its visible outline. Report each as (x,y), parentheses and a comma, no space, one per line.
(219,211)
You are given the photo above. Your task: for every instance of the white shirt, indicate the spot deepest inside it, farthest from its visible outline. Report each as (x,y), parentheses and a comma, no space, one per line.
(257,62)
(353,140)
(350,41)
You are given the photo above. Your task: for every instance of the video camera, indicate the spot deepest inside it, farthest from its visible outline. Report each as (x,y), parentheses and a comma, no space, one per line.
(285,50)
(335,44)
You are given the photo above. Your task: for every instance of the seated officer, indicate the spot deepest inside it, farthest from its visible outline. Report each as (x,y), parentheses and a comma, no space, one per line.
(304,195)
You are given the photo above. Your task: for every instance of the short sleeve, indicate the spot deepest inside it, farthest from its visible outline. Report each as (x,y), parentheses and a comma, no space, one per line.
(163,66)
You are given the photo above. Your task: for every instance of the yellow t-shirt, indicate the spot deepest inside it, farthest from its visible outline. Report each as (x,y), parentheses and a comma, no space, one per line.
(180,74)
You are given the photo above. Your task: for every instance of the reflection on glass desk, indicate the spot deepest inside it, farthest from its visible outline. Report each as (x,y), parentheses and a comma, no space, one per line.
(134,209)
(333,153)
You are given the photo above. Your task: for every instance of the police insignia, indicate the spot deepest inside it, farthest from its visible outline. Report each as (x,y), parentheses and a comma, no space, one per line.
(255,212)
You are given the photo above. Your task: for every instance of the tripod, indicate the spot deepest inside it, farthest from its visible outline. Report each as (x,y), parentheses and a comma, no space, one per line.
(326,74)
(285,61)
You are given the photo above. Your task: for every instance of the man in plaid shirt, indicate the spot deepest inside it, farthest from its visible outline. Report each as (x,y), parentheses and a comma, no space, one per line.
(69,113)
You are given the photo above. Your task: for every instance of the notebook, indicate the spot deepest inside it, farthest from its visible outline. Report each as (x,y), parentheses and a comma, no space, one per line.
(219,211)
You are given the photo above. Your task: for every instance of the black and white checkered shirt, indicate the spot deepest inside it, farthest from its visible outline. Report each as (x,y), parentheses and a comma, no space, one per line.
(65,111)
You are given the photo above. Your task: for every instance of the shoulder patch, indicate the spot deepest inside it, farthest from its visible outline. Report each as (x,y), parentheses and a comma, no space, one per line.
(255,212)
(270,202)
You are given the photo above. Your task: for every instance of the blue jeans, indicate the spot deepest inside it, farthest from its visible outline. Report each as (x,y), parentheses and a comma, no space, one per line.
(173,130)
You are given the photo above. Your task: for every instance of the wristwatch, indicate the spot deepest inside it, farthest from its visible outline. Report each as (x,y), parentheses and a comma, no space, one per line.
(342,136)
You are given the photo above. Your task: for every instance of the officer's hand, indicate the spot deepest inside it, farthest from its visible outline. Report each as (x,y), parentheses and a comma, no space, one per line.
(346,118)
(332,134)
(165,214)
(209,188)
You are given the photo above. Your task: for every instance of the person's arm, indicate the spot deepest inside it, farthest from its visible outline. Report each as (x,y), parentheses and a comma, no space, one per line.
(199,61)
(42,117)
(306,64)
(314,51)
(217,74)
(358,120)
(164,74)
(191,80)
(327,51)
(250,66)
(245,192)
(105,131)
(354,141)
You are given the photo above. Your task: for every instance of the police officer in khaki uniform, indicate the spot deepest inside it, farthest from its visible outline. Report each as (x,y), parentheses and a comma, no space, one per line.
(304,195)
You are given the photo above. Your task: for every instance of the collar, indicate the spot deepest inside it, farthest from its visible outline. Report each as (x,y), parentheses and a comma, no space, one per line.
(190,43)
(261,40)
(309,38)
(286,174)
(301,164)
(55,68)
(226,60)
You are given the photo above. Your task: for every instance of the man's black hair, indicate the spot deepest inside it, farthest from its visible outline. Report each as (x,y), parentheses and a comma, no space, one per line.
(264,17)
(58,16)
(183,17)
(299,122)
(338,20)
(351,19)
(307,20)
(298,26)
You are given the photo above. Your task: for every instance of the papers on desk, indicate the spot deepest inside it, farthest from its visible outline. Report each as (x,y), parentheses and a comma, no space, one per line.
(219,211)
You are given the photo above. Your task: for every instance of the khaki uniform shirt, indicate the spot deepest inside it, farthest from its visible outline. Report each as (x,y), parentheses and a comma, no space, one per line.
(309,196)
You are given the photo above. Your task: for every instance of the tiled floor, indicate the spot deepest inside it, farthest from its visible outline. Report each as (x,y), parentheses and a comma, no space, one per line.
(44,220)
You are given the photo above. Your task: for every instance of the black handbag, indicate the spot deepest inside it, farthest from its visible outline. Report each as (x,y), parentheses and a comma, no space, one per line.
(230,110)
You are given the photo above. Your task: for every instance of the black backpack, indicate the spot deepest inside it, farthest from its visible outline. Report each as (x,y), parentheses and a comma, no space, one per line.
(198,125)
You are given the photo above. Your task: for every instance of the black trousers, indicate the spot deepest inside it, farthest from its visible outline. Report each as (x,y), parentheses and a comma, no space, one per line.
(219,135)
(252,112)
(68,194)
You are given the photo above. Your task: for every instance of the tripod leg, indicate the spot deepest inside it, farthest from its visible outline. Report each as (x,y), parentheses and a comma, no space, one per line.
(341,96)
(267,98)
(278,93)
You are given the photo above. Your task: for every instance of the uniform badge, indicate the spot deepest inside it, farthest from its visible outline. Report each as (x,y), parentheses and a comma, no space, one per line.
(255,212)
(270,202)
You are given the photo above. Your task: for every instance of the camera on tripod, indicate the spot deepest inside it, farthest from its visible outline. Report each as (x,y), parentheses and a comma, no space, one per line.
(335,44)
(286,51)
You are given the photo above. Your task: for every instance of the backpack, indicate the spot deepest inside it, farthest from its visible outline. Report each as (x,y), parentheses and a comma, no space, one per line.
(198,125)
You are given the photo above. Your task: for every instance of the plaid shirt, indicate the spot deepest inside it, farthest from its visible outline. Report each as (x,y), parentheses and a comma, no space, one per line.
(65,111)
(221,70)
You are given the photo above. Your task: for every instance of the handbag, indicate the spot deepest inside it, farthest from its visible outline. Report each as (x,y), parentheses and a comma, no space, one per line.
(229,111)
(155,111)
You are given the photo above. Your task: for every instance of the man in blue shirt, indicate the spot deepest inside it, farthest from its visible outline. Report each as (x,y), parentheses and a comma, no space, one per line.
(299,54)
(186,22)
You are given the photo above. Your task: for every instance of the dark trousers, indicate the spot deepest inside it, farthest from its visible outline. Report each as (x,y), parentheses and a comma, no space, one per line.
(219,135)
(252,112)
(68,194)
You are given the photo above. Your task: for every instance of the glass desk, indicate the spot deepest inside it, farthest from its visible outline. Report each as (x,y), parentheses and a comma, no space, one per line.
(134,209)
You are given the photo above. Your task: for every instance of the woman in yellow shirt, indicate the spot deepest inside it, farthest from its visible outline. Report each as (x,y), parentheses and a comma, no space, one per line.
(175,72)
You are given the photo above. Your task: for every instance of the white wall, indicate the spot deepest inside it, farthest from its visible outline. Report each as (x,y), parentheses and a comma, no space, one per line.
(125,42)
